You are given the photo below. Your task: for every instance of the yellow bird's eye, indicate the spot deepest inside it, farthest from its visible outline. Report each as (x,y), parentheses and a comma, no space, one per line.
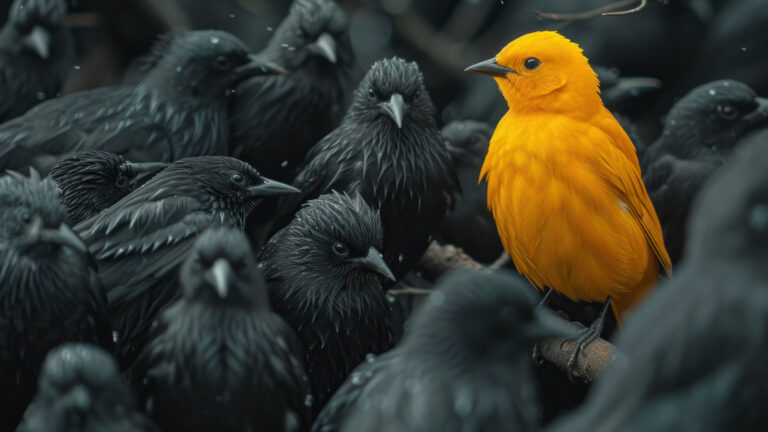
(532,63)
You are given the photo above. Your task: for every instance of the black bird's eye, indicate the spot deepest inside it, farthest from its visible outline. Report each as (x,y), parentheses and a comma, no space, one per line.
(340,249)
(728,112)
(532,63)
(121,181)
(25,216)
(371,93)
(416,94)
(236,178)
(222,62)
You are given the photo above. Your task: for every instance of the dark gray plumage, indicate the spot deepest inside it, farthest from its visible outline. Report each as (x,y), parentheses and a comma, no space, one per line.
(177,110)
(48,292)
(92,181)
(463,365)
(222,360)
(36,54)
(692,358)
(325,274)
(277,119)
(699,134)
(81,390)
(141,241)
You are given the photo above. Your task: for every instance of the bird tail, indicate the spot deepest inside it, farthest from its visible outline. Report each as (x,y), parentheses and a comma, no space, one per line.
(621,304)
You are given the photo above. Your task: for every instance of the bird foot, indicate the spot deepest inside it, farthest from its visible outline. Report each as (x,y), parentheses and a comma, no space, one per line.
(587,336)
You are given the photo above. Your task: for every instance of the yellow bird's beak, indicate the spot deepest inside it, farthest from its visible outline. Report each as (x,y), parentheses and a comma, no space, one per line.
(490,67)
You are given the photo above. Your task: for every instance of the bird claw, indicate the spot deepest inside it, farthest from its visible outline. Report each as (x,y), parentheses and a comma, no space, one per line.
(587,336)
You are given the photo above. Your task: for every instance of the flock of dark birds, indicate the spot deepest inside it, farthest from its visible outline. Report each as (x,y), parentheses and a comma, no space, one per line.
(208,246)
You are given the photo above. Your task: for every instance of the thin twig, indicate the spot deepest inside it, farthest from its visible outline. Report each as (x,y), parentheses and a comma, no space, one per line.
(612,9)
(410,291)
(500,262)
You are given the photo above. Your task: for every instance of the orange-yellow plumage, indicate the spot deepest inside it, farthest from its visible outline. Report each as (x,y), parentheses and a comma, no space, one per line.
(564,183)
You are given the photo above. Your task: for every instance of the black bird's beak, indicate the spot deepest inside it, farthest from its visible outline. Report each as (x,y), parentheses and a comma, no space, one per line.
(78,399)
(220,276)
(490,67)
(395,109)
(145,170)
(325,47)
(375,263)
(271,188)
(63,236)
(257,66)
(546,325)
(760,114)
(39,41)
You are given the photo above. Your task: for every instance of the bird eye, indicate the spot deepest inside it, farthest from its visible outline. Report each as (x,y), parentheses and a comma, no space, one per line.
(121,181)
(340,249)
(416,94)
(236,178)
(532,63)
(222,62)
(371,93)
(728,112)
(25,216)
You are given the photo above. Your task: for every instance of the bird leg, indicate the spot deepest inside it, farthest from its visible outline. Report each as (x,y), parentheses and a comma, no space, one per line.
(588,335)
(536,355)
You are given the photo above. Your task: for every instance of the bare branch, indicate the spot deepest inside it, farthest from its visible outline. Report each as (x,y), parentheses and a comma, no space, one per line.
(612,9)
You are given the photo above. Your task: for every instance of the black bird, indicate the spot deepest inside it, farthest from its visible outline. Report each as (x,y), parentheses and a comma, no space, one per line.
(178,109)
(277,119)
(325,274)
(48,293)
(470,224)
(223,361)
(92,181)
(389,150)
(140,242)
(699,134)
(81,390)
(36,54)
(693,356)
(464,364)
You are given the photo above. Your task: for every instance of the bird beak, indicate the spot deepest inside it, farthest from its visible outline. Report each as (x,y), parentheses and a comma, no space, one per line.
(77,399)
(145,170)
(271,188)
(258,66)
(490,67)
(547,325)
(395,109)
(375,263)
(63,236)
(220,275)
(325,47)
(760,114)
(39,41)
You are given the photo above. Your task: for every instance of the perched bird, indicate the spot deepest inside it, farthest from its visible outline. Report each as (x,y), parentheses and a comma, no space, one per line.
(464,364)
(81,390)
(389,150)
(564,182)
(470,224)
(700,133)
(140,242)
(36,54)
(277,119)
(92,181)
(178,109)
(48,292)
(325,273)
(694,354)
(222,359)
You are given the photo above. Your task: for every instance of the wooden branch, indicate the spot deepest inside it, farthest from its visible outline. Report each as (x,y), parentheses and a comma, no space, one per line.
(440,259)
(612,9)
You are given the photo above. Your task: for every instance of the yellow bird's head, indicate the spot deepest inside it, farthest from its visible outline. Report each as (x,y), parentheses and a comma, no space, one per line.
(543,71)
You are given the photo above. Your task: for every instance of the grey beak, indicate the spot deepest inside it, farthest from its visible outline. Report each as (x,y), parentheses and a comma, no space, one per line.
(324,46)
(145,170)
(271,188)
(220,275)
(395,109)
(258,66)
(39,41)
(78,398)
(547,325)
(490,67)
(375,263)
(63,236)
(760,114)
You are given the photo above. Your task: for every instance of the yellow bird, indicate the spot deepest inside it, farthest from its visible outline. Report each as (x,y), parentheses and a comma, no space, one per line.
(564,183)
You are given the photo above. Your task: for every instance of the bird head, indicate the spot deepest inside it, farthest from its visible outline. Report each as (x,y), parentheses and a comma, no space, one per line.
(712,117)
(392,94)
(483,315)
(80,385)
(222,270)
(37,21)
(314,37)
(92,181)
(467,141)
(204,64)
(543,71)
